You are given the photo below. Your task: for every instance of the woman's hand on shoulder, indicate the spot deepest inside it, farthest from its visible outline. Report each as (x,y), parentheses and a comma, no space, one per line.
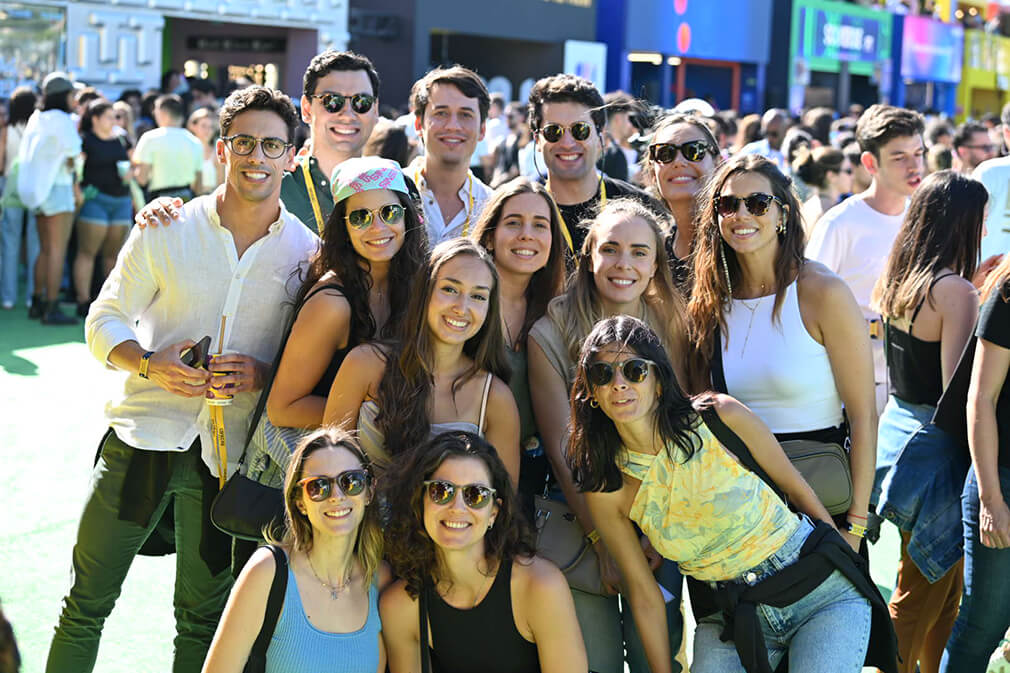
(546,603)
(399,614)
(243,616)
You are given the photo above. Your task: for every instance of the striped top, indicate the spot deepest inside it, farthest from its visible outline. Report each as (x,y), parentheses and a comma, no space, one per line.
(298,646)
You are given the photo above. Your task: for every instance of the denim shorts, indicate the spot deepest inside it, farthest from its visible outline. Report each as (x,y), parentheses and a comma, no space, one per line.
(108,210)
(60,200)
(827,630)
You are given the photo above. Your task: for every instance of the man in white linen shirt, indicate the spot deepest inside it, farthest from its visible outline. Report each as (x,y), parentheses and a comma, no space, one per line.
(226,273)
(450,107)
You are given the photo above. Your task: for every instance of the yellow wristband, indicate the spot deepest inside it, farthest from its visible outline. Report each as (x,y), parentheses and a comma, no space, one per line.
(857,530)
(145,362)
(593,536)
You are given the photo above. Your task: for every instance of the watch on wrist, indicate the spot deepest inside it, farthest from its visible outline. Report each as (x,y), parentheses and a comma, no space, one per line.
(145,362)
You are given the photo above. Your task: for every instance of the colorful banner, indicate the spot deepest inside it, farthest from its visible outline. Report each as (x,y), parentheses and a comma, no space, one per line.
(826,33)
(931,50)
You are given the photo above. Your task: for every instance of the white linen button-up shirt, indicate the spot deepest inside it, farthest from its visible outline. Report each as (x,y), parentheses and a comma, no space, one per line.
(438,229)
(183,282)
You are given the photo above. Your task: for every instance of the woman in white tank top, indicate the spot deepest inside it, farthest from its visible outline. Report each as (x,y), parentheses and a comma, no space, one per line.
(792,341)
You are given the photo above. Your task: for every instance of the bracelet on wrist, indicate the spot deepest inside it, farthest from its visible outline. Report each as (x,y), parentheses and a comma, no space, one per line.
(145,363)
(857,530)
(856,516)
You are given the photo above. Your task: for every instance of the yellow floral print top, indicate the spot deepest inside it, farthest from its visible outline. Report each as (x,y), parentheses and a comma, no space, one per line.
(711,515)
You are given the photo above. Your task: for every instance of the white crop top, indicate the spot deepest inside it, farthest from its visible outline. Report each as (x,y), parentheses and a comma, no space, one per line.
(777,369)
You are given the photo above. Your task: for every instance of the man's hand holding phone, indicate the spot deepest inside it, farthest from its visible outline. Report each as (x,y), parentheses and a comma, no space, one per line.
(169,370)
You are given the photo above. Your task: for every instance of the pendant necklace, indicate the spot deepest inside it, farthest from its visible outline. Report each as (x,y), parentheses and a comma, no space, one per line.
(750,322)
(334,589)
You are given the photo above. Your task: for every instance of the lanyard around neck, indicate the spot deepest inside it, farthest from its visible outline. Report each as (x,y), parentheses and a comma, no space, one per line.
(564,225)
(310,187)
(469,198)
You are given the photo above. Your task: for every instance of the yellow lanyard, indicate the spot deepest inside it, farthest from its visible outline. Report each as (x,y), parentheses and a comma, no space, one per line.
(217,434)
(564,225)
(469,197)
(310,187)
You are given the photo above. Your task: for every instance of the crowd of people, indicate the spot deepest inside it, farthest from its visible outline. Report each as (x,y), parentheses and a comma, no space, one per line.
(729,363)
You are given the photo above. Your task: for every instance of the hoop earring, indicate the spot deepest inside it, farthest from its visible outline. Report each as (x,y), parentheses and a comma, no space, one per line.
(725,266)
(781,229)
(594,403)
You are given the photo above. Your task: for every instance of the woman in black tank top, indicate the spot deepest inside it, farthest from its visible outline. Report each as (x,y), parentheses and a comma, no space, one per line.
(929,307)
(471,594)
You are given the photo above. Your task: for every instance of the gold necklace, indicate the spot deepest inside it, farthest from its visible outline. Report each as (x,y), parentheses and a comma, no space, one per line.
(750,323)
(334,589)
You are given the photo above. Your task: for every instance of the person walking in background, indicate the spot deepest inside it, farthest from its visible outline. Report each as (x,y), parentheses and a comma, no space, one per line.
(828,174)
(201,124)
(47,184)
(17,223)
(169,159)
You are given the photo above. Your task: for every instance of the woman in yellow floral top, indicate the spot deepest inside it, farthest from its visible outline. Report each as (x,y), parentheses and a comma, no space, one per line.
(641,453)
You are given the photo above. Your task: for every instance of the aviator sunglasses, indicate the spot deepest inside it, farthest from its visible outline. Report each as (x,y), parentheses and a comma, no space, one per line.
(757,204)
(665,153)
(350,483)
(635,370)
(475,496)
(334,102)
(362,218)
(552,133)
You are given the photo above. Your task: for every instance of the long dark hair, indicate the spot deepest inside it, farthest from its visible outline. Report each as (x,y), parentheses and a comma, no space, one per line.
(337,254)
(547,282)
(713,279)
(22,105)
(942,230)
(409,549)
(594,443)
(404,393)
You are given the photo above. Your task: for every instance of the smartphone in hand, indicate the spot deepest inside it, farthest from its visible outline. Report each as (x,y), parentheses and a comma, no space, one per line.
(197,356)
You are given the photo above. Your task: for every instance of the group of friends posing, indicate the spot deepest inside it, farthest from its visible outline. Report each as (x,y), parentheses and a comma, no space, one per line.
(445,366)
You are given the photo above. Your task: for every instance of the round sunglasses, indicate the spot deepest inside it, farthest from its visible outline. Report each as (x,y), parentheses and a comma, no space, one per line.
(362,218)
(350,482)
(552,133)
(693,150)
(634,370)
(243,145)
(475,496)
(334,102)
(757,204)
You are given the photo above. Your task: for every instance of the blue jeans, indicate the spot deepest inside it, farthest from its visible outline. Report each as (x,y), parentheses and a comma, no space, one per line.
(985,604)
(12,223)
(899,420)
(921,493)
(826,631)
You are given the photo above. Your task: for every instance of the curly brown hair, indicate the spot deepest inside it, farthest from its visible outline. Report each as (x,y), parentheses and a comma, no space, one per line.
(409,548)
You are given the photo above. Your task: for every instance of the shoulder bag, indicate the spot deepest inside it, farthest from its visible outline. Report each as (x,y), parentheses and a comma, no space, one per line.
(560,539)
(824,465)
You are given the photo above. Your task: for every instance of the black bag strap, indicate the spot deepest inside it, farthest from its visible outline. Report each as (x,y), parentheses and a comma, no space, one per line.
(737,446)
(951,410)
(274,604)
(718,374)
(422,628)
(261,404)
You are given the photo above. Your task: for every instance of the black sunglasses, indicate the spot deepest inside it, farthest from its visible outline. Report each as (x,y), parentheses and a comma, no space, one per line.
(757,203)
(552,133)
(634,370)
(334,102)
(665,153)
(350,482)
(244,145)
(362,218)
(475,496)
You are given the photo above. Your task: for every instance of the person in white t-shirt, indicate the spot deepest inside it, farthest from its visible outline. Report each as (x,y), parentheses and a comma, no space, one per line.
(995,175)
(854,238)
(169,159)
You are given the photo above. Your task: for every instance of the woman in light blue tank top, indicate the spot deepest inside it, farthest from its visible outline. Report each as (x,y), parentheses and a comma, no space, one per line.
(447,371)
(329,619)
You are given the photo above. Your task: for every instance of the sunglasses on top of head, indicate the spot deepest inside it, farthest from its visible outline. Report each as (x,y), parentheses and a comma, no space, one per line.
(334,102)
(634,370)
(692,150)
(362,218)
(757,204)
(475,496)
(350,482)
(552,132)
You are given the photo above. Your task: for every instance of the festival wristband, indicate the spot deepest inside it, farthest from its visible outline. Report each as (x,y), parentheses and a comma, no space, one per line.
(145,363)
(857,530)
